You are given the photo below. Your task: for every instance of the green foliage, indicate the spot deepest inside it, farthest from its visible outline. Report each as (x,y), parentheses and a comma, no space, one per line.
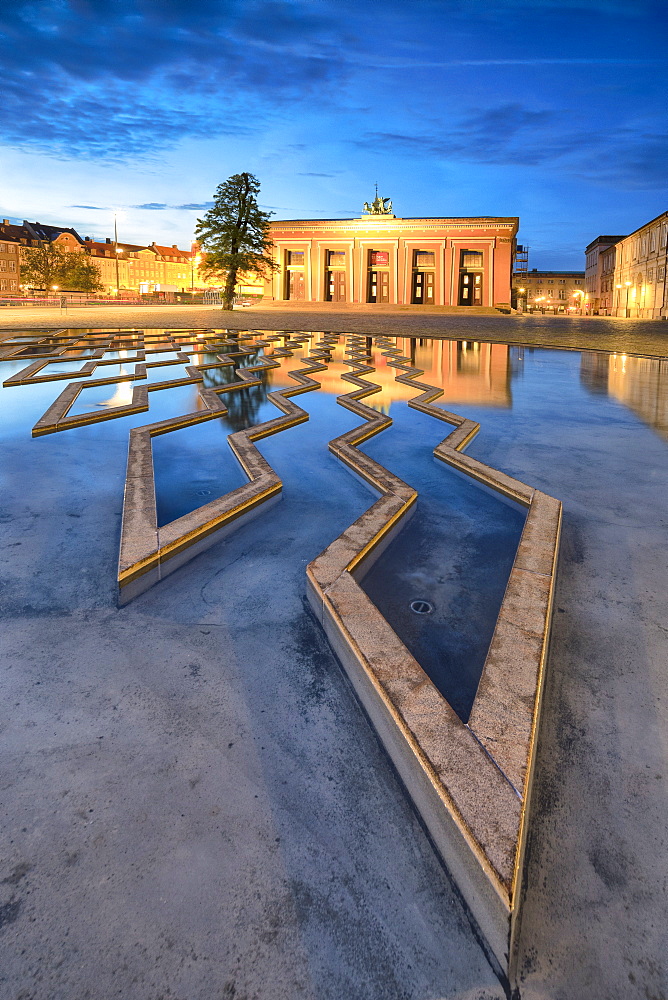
(50,264)
(83,274)
(234,234)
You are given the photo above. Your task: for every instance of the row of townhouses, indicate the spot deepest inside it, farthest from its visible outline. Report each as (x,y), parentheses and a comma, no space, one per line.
(626,275)
(123,267)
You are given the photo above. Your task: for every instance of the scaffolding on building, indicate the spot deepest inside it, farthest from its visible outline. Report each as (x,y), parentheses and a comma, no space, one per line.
(521,259)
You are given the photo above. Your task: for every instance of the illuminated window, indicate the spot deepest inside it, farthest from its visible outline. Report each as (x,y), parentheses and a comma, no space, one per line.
(426,258)
(336,258)
(471,258)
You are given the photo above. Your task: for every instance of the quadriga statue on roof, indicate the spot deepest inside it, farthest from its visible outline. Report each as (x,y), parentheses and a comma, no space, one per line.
(379,206)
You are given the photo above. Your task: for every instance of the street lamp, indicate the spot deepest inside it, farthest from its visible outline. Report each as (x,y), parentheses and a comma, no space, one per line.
(194,263)
(118,284)
(579,301)
(521,291)
(628,285)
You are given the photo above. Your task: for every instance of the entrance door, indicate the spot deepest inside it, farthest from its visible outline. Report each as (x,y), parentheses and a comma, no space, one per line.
(335,287)
(470,288)
(379,286)
(423,288)
(295,284)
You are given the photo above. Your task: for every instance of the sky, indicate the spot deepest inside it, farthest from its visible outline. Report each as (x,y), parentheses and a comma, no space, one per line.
(550,110)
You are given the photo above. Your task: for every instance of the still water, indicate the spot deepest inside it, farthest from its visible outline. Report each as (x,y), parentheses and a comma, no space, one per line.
(576,416)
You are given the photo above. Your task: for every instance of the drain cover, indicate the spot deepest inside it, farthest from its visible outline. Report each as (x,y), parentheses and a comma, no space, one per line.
(203,493)
(422,607)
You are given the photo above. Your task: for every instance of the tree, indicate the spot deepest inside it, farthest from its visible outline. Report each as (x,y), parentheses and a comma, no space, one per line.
(42,266)
(50,264)
(82,274)
(234,234)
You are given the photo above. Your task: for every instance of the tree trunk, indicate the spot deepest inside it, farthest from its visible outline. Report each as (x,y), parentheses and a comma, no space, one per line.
(228,294)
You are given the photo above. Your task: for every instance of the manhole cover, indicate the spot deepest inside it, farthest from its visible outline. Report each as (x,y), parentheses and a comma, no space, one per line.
(422,607)
(203,493)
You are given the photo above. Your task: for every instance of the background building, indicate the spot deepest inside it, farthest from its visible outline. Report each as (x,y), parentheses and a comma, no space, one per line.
(381,259)
(10,259)
(550,291)
(598,282)
(633,273)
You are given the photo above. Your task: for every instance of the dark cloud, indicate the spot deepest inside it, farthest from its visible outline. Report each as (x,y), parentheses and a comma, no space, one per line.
(513,135)
(116,80)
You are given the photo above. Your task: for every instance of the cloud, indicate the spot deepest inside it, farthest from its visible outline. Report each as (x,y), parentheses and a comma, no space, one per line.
(118,81)
(92,208)
(153,206)
(194,206)
(514,135)
(310,173)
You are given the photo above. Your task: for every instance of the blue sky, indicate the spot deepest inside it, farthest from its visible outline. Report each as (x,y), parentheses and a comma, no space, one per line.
(553,111)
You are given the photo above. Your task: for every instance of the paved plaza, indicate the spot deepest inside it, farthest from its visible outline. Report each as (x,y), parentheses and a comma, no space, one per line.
(195,807)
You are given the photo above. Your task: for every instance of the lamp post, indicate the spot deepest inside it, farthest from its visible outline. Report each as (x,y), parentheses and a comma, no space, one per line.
(116,253)
(194,263)
(626,308)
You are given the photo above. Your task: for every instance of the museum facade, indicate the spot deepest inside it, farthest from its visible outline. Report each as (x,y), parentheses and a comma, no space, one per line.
(381,259)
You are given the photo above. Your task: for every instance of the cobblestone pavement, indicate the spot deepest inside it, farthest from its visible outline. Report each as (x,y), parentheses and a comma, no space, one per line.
(608,334)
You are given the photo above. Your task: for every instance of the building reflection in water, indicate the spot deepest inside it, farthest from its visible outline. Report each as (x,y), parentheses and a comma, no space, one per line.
(469,372)
(639,383)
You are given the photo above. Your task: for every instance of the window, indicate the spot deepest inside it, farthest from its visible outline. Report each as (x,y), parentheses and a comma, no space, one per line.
(562,281)
(577,281)
(652,241)
(426,258)
(562,293)
(550,281)
(650,275)
(336,258)
(471,258)
(3,248)
(661,273)
(295,258)
(12,285)
(3,265)
(12,265)
(3,284)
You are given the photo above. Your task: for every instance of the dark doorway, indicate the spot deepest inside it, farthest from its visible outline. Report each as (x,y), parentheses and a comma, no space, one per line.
(423,288)
(379,286)
(470,288)
(335,286)
(295,285)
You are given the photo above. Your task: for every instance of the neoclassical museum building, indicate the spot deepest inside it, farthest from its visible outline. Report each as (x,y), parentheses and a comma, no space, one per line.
(380,258)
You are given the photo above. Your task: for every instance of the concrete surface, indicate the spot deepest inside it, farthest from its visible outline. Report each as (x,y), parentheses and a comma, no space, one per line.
(194,805)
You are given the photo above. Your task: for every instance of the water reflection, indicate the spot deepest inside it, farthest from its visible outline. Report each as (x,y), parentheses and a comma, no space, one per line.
(641,384)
